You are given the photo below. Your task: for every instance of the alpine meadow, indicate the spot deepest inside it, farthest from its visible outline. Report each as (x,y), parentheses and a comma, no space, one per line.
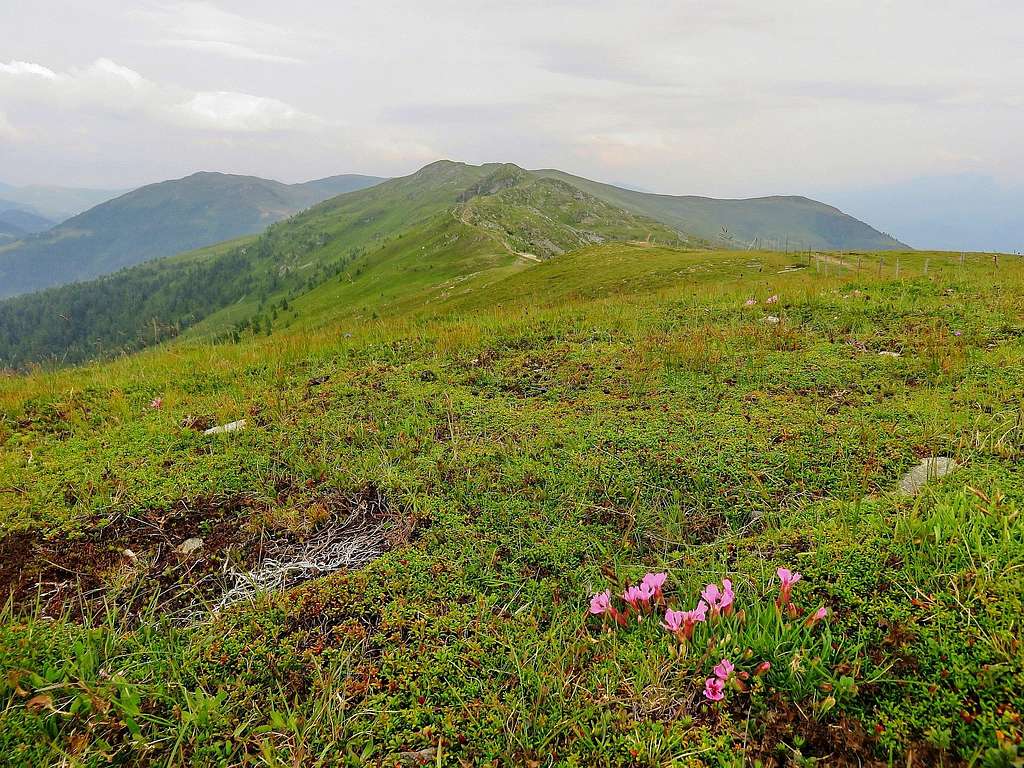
(467,464)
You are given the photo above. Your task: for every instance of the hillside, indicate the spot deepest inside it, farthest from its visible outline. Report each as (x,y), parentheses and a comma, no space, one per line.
(397,554)
(399,239)
(780,223)
(406,242)
(25,222)
(158,220)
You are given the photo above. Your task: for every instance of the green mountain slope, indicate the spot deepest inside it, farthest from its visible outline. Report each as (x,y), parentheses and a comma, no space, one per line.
(396,241)
(406,246)
(158,220)
(765,222)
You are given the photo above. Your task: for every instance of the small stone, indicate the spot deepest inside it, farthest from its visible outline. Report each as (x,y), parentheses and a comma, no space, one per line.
(930,468)
(233,426)
(772,319)
(188,546)
(887,353)
(130,555)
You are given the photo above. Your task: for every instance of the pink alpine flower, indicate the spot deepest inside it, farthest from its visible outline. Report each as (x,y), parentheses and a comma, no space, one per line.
(714,689)
(772,299)
(156,403)
(719,600)
(761,668)
(817,616)
(601,603)
(728,597)
(692,618)
(655,581)
(787,579)
(723,669)
(673,620)
(639,597)
(750,302)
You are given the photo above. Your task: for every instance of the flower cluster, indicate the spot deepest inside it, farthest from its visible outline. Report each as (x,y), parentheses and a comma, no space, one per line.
(640,599)
(716,603)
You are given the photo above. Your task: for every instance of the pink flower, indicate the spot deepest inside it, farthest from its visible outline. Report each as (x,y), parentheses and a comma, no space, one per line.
(749,302)
(712,595)
(639,595)
(673,620)
(772,299)
(156,403)
(681,623)
(714,689)
(723,669)
(725,604)
(719,600)
(818,615)
(763,667)
(655,581)
(787,578)
(601,603)
(692,618)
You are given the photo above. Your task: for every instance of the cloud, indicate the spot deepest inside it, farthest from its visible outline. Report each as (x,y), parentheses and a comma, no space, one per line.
(16,68)
(228,50)
(110,87)
(204,27)
(227,111)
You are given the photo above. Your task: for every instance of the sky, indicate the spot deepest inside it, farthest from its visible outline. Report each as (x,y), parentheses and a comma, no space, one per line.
(842,100)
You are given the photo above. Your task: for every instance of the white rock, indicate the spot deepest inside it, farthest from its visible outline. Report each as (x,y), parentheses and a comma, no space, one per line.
(233,426)
(930,468)
(772,319)
(188,546)
(887,353)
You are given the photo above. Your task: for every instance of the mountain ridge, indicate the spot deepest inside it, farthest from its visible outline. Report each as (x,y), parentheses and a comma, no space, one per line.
(158,220)
(746,222)
(403,243)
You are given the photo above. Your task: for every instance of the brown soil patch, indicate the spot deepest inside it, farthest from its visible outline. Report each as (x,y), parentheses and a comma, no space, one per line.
(138,562)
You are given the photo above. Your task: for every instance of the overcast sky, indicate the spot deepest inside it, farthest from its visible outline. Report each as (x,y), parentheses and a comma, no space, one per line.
(717,97)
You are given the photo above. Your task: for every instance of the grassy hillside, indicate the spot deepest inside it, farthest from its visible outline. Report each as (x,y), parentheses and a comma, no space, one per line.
(445,222)
(781,223)
(158,220)
(559,429)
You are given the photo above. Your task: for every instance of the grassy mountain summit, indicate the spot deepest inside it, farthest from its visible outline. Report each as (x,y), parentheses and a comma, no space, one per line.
(158,220)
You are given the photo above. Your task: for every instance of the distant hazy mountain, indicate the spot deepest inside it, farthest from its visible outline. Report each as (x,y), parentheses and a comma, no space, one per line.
(961,212)
(159,220)
(54,203)
(17,223)
(766,222)
(26,222)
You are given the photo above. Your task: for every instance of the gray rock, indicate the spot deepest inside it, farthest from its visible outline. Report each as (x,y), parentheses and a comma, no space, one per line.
(930,468)
(233,426)
(188,546)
